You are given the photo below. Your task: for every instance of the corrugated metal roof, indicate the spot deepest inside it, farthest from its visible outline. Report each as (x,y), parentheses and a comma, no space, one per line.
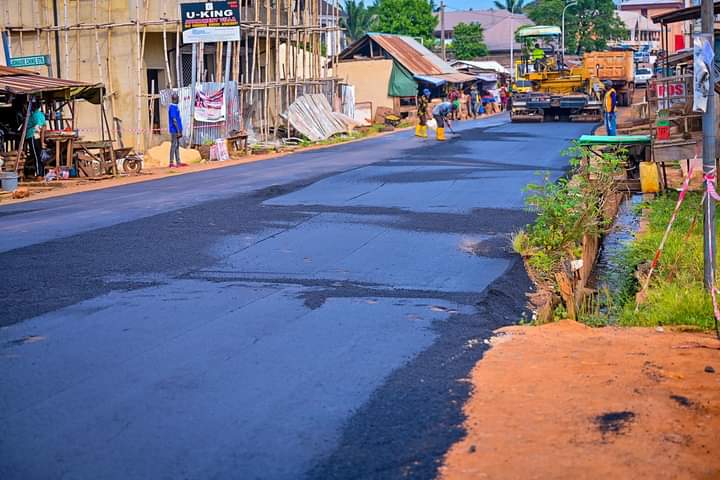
(482,65)
(25,82)
(412,55)
(444,78)
(8,71)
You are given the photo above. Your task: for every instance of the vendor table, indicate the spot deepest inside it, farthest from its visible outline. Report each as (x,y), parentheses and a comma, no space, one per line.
(62,139)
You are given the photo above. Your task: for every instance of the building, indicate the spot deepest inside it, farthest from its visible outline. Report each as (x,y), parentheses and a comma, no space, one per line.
(678,33)
(499,27)
(135,48)
(389,70)
(641,30)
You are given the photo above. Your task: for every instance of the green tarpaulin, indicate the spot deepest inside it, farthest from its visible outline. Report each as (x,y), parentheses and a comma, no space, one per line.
(402,83)
(588,140)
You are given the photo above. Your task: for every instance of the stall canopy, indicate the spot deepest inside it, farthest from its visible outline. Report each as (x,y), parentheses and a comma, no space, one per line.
(539,31)
(16,81)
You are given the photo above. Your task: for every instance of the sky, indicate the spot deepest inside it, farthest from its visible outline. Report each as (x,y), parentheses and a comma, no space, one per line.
(465,4)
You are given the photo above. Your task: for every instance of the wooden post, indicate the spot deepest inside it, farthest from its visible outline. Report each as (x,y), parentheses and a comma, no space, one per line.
(192,91)
(566,292)
(21,147)
(168,72)
(65,32)
(77,40)
(138,78)
(180,81)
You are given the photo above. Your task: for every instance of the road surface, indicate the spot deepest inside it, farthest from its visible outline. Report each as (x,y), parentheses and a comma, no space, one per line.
(310,316)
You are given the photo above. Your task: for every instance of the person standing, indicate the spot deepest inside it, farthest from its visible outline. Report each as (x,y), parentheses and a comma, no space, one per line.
(441,112)
(35,137)
(503,98)
(452,98)
(422,114)
(609,104)
(176,128)
(474,101)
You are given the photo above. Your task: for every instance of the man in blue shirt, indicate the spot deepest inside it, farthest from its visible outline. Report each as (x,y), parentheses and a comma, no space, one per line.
(176,128)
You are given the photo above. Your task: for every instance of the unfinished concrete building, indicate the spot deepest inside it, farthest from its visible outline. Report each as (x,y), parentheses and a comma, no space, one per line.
(135,48)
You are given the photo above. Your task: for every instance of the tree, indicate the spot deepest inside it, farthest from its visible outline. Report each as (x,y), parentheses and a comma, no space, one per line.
(515,6)
(358,19)
(468,42)
(413,18)
(588,26)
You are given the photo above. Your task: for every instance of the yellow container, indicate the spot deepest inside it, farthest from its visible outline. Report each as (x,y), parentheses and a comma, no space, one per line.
(649,177)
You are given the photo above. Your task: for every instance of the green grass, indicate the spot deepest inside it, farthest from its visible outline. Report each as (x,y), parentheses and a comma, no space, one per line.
(676,295)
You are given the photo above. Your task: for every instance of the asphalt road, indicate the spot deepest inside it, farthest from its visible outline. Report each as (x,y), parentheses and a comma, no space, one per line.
(308,316)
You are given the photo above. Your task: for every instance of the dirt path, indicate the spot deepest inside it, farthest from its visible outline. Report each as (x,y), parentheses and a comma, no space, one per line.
(565,401)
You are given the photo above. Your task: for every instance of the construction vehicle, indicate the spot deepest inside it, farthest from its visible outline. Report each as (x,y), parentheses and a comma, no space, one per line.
(559,92)
(617,67)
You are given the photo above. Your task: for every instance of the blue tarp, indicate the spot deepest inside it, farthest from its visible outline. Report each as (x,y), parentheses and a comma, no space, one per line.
(434,81)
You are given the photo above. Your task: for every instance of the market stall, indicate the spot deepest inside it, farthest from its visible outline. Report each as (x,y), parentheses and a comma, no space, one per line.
(22,92)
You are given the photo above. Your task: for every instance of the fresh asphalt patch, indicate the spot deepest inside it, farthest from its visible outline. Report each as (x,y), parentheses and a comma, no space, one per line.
(413,419)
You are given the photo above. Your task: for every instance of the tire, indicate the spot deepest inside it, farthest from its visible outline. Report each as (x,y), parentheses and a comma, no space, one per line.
(132,165)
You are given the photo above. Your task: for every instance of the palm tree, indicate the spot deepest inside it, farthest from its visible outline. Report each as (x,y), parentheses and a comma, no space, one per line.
(515,6)
(357,20)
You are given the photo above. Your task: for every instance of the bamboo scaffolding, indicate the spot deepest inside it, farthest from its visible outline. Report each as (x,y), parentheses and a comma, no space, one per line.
(66,33)
(268,79)
(77,40)
(138,71)
(168,74)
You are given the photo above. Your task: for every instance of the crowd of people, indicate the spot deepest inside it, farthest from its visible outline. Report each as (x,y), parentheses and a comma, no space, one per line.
(471,102)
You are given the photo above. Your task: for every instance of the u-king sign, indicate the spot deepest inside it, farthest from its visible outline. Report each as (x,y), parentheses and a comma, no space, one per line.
(210,21)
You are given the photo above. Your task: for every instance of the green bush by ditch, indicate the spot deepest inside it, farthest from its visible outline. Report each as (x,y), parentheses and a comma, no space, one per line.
(676,295)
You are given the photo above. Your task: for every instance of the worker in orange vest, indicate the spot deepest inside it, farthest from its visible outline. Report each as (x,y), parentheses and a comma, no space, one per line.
(609,104)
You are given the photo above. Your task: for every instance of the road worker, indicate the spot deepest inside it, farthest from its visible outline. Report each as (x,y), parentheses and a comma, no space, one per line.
(422,114)
(609,105)
(441,114)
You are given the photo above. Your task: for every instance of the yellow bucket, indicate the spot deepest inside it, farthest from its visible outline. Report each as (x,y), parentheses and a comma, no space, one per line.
(649,177)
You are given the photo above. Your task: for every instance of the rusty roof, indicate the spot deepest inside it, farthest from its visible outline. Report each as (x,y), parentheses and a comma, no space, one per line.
(19,81)
(411,54)
(9,71)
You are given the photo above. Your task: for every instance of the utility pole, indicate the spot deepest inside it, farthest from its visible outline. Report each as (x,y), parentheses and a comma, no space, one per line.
(512,43)
(709,126)
(442,29)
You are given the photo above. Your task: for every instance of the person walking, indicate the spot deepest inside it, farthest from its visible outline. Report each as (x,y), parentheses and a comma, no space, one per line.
(441,114)
(422,114)
(176,128)
(609,104)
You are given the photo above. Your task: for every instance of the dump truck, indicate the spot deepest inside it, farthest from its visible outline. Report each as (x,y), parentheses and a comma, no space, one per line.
(558,92)
(617,67)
